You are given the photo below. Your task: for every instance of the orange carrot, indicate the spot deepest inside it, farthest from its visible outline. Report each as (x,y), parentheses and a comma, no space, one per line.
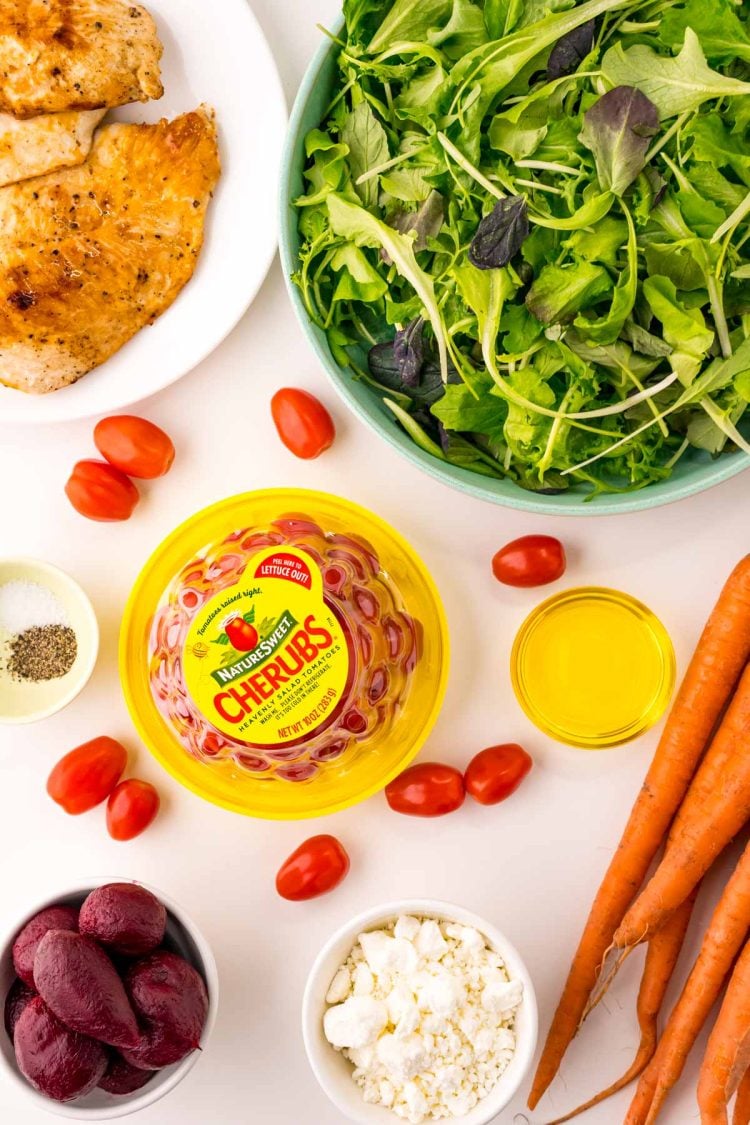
(725,936)
(661,958)
(741,1114)
(728,1052)
(718,661)
(716,807)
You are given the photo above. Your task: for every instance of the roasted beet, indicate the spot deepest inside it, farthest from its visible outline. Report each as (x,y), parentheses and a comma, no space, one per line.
(24,947)
(18,997)
(158,1047)
(125,918)
(58,1062)
(171,1002)
(121,1077)
(76,978)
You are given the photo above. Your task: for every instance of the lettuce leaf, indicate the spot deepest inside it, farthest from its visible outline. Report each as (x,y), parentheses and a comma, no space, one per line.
(675,85)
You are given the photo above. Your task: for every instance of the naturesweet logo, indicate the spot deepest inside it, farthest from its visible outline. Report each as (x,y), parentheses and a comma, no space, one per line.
(260,651)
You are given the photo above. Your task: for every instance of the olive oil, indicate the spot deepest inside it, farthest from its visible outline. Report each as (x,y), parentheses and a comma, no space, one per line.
(593,667)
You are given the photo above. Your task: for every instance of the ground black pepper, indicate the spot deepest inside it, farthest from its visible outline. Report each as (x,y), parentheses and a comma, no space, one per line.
(44,652)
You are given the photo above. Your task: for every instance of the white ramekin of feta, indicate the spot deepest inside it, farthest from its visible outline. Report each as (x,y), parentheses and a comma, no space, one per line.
(419,1011)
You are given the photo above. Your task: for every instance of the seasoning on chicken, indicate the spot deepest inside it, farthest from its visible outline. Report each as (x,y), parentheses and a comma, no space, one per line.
(90,255)
(57,55)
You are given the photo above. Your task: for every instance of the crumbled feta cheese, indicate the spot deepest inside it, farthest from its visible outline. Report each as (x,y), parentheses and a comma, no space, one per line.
(362,1057)
(430,942)
(355,1023)
(386,954)
(441,994)
(501,996)
(406,928)
(340,986)
(402,1058)
(364,982)
(425,1012)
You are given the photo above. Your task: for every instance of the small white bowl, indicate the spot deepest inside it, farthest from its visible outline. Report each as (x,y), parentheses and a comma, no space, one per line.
(334,1072)
(184,938)
(22,702)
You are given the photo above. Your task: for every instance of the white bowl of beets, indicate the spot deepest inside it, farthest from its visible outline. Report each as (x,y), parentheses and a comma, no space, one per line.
(109,995)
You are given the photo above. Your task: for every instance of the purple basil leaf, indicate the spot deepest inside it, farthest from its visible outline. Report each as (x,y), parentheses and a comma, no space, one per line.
(570,51)
(618,129)
(408,351)
(500,234)
(386,371)
(425,222)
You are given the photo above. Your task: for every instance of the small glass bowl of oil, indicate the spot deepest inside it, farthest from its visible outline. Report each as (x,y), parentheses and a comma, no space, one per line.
(593,667)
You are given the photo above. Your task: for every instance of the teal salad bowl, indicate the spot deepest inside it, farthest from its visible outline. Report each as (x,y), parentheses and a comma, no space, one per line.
(695,472)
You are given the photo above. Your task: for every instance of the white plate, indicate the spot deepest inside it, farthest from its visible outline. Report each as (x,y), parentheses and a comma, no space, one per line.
(219,57)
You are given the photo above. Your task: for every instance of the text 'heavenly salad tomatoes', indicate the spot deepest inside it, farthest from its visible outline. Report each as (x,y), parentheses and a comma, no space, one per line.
(426,789)
(315,868)
(493,774)
(303,423)
(532,560)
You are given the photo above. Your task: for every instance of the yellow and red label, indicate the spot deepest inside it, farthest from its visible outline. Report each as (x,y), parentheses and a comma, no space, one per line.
(266,661)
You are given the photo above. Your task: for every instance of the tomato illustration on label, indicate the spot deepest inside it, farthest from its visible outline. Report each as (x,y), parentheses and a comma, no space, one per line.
(242,635)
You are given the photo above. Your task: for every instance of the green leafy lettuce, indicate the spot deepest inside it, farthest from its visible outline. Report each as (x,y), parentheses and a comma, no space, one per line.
(526,225)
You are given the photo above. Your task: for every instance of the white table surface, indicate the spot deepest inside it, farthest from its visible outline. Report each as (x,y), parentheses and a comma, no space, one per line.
(530,865)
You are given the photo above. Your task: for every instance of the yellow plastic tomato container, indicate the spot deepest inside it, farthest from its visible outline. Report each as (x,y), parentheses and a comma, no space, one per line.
(284,654)
(593,667)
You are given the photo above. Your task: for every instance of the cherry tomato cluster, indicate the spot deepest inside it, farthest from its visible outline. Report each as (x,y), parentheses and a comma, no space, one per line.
(132,447)
(427,789)
(303,423)
(434,789)
(91,774)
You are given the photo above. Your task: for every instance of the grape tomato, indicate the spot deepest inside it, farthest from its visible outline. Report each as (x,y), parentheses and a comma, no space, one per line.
(493,774)
(134,446)
(316,867)
(99,491)
(532,560)
(131,808)
(426,789)
(303,423)
(86,776)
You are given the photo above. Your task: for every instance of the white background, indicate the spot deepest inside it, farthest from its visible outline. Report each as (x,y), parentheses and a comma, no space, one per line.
(531,865)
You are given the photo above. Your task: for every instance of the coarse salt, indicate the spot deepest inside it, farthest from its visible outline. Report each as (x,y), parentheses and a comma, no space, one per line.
(26,605)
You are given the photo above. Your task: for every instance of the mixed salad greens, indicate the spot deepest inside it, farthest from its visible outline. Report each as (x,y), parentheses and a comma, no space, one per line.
(527,224)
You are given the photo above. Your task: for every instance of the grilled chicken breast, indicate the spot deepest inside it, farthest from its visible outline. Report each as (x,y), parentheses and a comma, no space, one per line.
(36,145)
(90,255)
(57,55)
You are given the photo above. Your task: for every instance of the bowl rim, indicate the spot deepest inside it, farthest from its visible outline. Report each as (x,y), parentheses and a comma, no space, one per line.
(473,484)
(128,1104)
(89,621)
(311,1015)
